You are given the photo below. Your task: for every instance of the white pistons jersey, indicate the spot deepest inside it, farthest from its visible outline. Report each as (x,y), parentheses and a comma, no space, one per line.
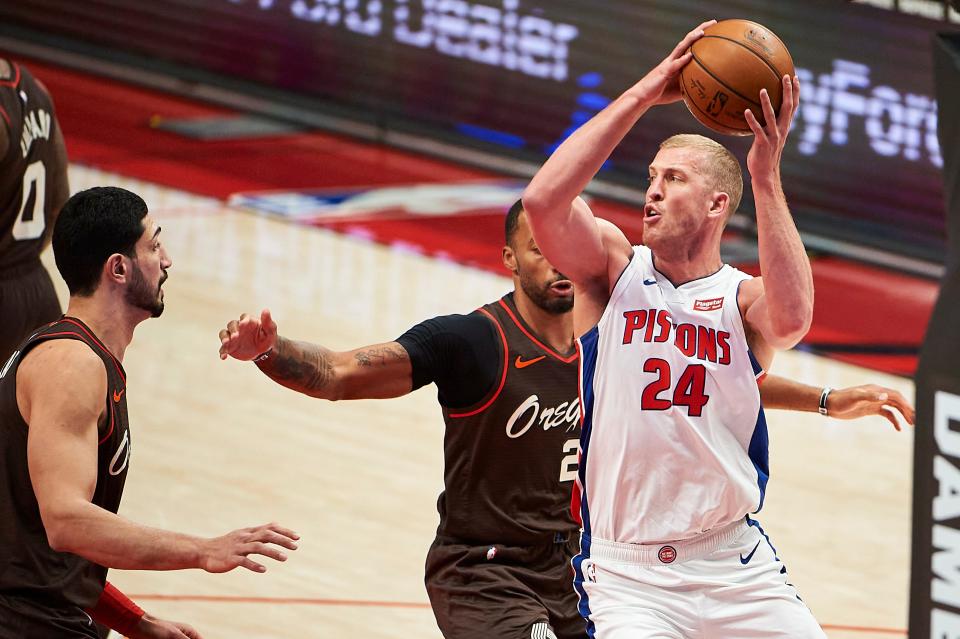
(674,440)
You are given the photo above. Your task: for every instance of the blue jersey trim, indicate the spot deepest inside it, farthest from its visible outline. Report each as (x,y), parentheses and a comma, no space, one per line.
(759,450)
(588,366)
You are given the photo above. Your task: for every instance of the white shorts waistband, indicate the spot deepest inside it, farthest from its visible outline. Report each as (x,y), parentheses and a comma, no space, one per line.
(662,553)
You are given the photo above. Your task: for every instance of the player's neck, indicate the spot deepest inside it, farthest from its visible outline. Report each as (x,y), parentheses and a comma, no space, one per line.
(556,330)
(682,267)
(113,324)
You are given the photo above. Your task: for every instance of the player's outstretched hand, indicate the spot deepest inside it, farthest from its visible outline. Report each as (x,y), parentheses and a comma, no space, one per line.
(769,139)
(248,337)
(869,399)
(662,83)
(233,550)
(152,628)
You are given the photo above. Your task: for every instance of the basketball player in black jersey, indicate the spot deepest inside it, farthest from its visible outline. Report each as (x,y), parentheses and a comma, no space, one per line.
(33,187)
(65,445)
(506,376)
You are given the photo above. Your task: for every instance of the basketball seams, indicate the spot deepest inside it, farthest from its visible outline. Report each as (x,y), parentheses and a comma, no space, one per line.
(779,76)
(722,83)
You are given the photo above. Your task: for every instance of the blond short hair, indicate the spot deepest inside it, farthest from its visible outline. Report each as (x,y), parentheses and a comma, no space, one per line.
(721,167)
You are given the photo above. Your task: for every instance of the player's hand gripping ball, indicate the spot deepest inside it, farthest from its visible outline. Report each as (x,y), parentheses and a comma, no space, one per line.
(731,63)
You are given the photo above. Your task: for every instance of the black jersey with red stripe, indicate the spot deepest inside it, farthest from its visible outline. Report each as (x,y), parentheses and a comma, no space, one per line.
(33,576)
(511,457)
(31,171)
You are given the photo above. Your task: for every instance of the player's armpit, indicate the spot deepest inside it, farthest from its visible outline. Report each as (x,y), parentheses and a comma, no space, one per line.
(62,432)
(763,337)
(372,372)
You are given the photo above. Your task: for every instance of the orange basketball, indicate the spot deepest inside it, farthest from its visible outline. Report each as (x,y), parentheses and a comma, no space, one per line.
(731,63)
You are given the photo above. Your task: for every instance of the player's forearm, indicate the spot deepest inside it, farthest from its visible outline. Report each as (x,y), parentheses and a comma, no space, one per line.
(110,540)
(787,277)
(568,171)
(301,366)
(785,394)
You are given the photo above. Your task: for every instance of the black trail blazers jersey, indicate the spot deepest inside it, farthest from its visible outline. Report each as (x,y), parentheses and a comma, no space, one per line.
(35,579)
(31,170)
(511,458)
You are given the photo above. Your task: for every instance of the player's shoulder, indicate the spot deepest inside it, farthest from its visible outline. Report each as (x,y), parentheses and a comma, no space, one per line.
(63,363)
(467,325)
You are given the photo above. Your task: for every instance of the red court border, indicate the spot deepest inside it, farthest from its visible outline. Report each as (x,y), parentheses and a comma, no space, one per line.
(365,603)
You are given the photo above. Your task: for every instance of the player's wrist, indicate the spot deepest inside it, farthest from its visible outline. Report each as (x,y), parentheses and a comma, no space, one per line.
(823,406)
(264,356)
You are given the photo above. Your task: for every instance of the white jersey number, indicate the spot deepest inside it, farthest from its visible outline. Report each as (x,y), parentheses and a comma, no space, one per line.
(35,181)
(568,465)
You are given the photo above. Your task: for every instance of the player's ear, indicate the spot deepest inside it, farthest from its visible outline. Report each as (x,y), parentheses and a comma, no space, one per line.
(509,259)
(719,205)
(115,268)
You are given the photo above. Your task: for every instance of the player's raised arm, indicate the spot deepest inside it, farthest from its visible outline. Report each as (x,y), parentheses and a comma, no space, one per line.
(371,372)
(62,449)
(778,308)
(562,224)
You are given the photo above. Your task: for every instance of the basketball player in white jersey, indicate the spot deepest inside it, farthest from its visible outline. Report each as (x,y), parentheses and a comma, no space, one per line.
(674,442)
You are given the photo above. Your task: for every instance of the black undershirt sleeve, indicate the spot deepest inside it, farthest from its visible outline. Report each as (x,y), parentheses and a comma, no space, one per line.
(459,353)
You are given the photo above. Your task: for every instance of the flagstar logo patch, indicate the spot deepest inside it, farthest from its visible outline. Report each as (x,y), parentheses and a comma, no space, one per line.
(714,304)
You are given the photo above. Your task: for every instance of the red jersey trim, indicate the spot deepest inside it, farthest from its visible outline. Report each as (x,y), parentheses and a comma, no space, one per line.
(6,117)
(16,77)
(544,347)
(503,376)
(96,341)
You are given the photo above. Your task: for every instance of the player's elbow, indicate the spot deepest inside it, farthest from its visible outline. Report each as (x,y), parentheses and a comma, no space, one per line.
(537,201)
(787,332)
(62,534)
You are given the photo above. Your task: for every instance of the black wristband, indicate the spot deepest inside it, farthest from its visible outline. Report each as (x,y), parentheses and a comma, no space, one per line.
(823,399)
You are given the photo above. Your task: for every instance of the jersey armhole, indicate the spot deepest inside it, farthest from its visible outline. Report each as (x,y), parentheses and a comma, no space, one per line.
(503,374)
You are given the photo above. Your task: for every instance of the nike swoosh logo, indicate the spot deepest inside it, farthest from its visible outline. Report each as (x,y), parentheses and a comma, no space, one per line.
(746,560)
(117,396)
(530,362)
(649,282)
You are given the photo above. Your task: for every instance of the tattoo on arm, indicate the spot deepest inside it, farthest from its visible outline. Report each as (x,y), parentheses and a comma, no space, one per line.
(300,366)
(380,355)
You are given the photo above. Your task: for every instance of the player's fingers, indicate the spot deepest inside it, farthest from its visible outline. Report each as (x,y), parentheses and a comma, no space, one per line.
(266,550)
(266,319)
(270,537)
(680,62)
(286,532)
(244,316)
(690,38)
(888,413)
(898,401)
(787,104)
(752,122)
(795,83)
(250,564)
(233,327)
(769,117)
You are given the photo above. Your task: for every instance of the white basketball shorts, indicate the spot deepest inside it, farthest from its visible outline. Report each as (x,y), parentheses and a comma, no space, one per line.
(727,583)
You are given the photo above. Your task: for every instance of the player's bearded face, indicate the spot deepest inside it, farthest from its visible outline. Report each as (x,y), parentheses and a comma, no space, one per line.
(553,292)
(142,294)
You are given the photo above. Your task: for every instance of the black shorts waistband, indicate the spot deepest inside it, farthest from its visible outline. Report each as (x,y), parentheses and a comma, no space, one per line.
(557,539)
